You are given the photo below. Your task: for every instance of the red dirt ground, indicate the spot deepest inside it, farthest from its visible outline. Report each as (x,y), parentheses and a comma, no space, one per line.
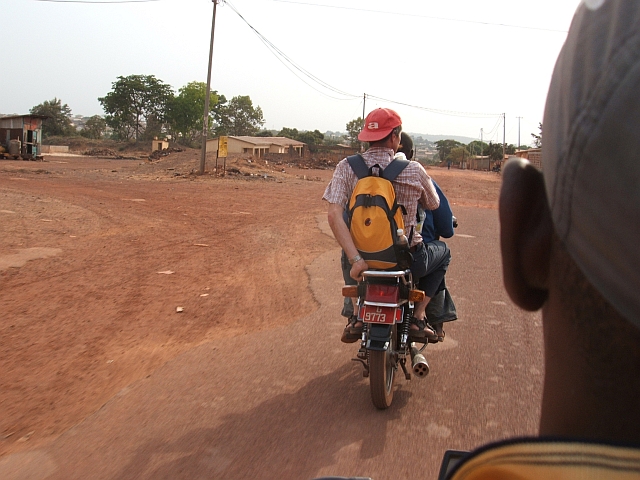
(96,256)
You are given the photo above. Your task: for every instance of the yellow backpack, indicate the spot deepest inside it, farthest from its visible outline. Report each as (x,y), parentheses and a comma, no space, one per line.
(373,214)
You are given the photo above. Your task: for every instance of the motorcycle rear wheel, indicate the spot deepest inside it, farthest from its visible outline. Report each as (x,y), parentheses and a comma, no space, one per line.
(382,369)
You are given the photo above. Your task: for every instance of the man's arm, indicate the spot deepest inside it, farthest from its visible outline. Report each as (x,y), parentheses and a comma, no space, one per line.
(341,232)
(429,200)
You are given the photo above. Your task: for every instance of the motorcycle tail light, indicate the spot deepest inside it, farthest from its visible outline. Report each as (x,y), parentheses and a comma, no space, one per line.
(350,291)
(382,293)
(416,295)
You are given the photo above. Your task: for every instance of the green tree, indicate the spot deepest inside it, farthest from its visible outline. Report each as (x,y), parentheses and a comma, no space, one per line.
(154,127)
(95,127)
(444,147)
(185,111)
(289,133)
(537,139)
(494,151)
(58,121)
(239,117)
(133,101)
(264,133)
(312,139)
(476,147)
(354,127)
(458,154)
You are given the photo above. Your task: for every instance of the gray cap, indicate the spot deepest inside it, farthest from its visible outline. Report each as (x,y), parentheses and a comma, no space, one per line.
(591,149)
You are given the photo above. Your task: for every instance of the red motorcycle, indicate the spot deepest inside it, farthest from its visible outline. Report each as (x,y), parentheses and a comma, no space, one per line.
(385,305)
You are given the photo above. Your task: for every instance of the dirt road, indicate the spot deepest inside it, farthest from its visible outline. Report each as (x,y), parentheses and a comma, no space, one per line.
(104,378)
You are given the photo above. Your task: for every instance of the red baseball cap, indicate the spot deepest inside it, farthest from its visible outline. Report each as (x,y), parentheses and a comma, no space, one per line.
(379,124)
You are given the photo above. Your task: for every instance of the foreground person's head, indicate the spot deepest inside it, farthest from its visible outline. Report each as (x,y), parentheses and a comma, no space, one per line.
(382,128)
(569,235)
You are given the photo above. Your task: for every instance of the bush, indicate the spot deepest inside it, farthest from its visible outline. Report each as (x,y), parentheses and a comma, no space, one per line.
(80,144)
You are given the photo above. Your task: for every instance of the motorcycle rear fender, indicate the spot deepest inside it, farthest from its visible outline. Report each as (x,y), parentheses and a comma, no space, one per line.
(379,337)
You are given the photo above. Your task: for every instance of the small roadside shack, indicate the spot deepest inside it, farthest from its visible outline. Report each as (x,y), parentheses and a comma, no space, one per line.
(21,136)
(162,144)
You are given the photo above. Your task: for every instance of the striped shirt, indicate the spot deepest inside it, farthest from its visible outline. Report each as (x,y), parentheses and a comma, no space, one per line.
(412,186)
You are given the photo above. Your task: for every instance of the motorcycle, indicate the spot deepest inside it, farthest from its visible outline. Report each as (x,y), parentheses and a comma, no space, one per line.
(385,306)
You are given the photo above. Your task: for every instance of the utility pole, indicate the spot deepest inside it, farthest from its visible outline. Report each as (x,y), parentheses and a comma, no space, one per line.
(504,135)
(364,103)
(205,123)
(519,118)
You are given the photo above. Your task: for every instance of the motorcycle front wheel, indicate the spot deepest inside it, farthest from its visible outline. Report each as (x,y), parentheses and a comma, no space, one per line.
(382,369)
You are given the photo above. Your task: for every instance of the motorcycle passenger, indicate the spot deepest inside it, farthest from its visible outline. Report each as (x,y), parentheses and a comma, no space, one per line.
(569,247)
(413,187)
(434,224)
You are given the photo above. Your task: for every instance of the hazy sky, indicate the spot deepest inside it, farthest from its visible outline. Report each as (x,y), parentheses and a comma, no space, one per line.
(481,57)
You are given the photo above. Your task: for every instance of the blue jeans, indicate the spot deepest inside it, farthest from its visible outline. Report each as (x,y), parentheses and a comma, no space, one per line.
(435,256)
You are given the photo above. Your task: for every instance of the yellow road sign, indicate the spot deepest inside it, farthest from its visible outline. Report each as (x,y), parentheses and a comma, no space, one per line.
(222,147)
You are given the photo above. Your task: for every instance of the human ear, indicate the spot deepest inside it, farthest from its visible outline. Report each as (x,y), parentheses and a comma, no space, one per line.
(526,231)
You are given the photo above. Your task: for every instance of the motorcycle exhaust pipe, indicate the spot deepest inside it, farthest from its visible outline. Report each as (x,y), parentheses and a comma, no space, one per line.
(419,364)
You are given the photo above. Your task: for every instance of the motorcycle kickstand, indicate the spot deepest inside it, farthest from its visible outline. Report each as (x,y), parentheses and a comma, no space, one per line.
(407,375)
(365,373)
(362,358)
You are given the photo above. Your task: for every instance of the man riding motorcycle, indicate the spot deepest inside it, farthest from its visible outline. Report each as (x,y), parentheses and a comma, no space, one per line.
(413,187)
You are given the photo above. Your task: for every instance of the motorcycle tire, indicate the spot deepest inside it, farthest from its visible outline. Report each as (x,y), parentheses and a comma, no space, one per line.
(382,369)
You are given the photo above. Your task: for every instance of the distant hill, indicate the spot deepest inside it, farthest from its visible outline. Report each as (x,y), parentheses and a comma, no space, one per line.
(435,138)
(425,136)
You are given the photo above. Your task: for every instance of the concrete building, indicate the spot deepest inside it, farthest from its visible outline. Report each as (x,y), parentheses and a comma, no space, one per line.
(161,144)
(534,155)
(479,162)
(259,146)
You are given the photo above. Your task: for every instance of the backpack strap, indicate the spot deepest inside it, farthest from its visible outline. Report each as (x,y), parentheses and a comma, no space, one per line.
(359,167)
(394,169)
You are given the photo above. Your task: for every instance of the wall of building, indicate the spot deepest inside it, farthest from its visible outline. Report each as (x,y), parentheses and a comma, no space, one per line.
(7,134)
(54,149)
(159,145)
(534,155)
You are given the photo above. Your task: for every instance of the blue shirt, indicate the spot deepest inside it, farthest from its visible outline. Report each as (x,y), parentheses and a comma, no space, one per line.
(438,222)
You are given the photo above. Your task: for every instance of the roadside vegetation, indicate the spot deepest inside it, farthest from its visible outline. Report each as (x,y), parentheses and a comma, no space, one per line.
(140,108)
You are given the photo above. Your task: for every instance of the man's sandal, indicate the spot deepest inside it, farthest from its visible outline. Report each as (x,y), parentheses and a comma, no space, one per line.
(424,334)
(351,332)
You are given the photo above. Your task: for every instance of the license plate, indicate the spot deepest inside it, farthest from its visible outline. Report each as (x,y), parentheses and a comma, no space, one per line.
(373,314)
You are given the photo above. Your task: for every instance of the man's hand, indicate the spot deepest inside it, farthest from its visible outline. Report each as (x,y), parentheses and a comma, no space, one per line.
(357,269)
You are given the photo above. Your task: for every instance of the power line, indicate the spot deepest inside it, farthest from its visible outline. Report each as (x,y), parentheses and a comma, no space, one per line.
(495,128)
(280,55)
(477,22)
(452,113)
(99,1)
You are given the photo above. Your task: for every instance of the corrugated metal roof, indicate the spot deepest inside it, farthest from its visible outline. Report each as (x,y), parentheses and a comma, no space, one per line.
(9,117)
(282,141)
